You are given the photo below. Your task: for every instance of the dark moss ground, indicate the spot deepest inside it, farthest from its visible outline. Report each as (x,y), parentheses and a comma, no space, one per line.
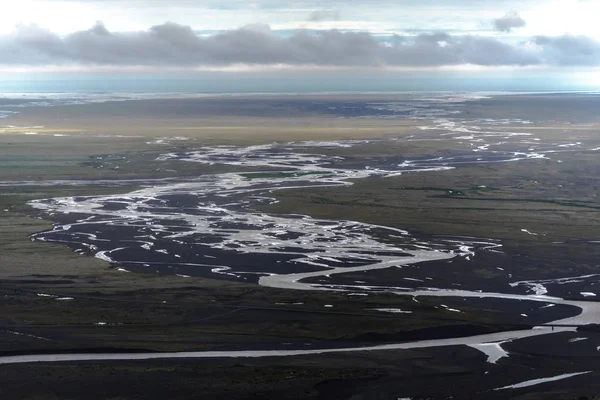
(559,201)
(418,374)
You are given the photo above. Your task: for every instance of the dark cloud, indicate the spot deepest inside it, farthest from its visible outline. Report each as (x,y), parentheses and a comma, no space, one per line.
(509,22)
(570,50)
(325,15)
(176,45)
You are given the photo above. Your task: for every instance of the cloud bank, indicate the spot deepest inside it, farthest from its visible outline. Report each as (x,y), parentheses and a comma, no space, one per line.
(173,45)
(510,21)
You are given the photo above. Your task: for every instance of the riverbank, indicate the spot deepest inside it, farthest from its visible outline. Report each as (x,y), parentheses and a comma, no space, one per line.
(537,223)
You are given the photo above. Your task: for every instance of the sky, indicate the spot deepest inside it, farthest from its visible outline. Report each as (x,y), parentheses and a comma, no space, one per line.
(307,36)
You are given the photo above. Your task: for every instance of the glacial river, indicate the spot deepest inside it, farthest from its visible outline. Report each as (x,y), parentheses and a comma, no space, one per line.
(208,226)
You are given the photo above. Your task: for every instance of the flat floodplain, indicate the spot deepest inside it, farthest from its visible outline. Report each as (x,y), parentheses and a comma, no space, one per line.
(432,230)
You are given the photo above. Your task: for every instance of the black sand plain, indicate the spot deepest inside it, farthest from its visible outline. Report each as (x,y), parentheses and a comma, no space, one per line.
(160,312)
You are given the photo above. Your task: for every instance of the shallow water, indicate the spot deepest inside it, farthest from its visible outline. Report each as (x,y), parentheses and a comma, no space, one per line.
(207,227)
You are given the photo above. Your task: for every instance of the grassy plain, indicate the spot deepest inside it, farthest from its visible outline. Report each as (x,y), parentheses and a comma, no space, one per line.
(558,201)
(164,312)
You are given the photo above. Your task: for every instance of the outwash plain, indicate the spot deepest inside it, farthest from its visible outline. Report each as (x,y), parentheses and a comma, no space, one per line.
(441,245)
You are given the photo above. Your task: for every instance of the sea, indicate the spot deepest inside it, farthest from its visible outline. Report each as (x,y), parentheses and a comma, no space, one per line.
(292,82)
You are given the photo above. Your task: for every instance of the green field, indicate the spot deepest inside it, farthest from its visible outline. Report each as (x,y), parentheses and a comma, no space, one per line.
(557,203)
